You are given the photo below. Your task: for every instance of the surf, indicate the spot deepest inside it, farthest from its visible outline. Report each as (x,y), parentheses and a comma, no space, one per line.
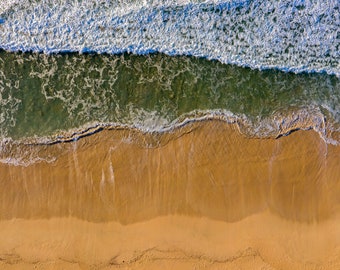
(296,36)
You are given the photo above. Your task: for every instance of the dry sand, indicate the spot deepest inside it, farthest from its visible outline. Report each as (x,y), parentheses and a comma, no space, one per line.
(205,198)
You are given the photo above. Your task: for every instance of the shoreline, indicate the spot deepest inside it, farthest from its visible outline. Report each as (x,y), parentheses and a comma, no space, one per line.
(205,197)
(188,157)
(26,151)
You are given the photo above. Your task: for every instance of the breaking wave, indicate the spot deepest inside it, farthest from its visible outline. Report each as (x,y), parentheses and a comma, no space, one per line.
(298,36)
(49,99)
(69,69)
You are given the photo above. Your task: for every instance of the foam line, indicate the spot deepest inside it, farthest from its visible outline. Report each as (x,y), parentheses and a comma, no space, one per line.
(297,36)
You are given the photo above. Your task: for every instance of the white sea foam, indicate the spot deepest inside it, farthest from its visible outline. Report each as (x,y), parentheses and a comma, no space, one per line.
(289,35)
(9,104)
(28,151)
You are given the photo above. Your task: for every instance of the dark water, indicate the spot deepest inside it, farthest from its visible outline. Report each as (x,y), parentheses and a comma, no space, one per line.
(42,95)
(188,60)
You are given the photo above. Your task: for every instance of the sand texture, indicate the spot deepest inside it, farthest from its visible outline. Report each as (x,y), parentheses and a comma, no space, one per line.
(202,197)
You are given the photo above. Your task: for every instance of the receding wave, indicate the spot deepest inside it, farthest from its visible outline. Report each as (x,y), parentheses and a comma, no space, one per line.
(288,35)
(47,99)
(42,95)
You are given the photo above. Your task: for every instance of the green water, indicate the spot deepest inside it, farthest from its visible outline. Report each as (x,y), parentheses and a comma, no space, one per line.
(42,95)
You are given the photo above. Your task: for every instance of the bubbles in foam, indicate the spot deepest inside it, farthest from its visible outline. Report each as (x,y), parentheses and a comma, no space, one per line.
(27,152)
(44,94)
(9,104)
(61,98)
(288,35)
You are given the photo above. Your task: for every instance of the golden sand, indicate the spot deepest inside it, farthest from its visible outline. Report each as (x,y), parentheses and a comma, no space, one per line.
(206,197)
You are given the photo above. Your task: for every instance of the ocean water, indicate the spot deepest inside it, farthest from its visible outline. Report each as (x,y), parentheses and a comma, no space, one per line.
(288,35)
(70,68)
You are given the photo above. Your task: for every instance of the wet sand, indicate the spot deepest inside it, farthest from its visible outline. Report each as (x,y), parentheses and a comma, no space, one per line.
(205,197)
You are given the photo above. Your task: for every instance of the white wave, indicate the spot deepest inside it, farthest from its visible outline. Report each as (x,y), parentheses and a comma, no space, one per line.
(28,151)
(289,35)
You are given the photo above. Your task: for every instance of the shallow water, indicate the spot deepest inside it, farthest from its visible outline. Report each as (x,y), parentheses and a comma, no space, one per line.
(204,169)
(44,95)
(154,134)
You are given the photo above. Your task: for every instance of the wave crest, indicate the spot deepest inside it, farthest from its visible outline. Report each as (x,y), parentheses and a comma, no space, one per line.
(287,35)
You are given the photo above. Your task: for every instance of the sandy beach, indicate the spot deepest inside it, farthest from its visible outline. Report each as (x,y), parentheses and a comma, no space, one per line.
(162,134)
(202,197)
